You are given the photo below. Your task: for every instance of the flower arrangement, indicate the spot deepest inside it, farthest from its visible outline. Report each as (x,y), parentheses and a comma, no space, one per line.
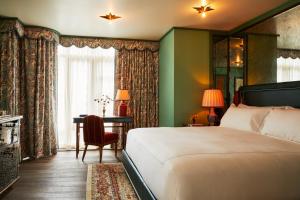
(104,101)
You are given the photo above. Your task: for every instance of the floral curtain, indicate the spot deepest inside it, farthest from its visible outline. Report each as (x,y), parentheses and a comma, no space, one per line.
(137,71)
(27,83)
(10,32)
(38,95)
(106,43)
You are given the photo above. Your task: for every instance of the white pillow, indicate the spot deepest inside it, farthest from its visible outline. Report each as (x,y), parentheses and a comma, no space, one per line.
(244,118)
(277,107)
(283,124)
(291,108)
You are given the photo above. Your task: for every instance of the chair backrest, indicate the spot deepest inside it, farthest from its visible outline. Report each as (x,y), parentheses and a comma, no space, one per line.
(93,130)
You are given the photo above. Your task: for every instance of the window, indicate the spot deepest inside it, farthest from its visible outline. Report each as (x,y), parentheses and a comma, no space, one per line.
(288,69)
(83,75)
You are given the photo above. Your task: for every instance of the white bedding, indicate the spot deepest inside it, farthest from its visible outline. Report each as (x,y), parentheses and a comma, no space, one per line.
(215,163)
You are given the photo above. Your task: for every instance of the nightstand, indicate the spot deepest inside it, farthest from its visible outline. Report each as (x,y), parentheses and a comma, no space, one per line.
(195,125)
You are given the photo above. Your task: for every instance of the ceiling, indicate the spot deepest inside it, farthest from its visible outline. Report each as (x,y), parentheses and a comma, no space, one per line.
(141,19)
(286,25)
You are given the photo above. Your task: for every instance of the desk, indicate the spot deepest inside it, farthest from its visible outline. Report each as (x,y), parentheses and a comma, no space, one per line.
(113,119)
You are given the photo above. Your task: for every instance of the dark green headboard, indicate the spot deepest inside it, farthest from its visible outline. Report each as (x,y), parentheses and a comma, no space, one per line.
(275,94)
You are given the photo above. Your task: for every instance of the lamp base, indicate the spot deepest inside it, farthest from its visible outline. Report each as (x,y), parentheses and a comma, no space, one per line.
(122,109)
(212,117)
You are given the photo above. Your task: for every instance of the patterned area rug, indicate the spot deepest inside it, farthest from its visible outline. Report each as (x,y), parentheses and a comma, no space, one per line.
(108,182)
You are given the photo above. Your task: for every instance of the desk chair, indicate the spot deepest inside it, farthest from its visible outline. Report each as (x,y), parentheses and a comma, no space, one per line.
(94,134)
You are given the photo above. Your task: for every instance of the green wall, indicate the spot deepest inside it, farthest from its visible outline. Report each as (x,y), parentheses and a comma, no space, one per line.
(166,80)
(184,74)
(192,56)
(262,59)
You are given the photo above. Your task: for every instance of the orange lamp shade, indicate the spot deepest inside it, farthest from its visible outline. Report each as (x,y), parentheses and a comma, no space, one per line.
(122,95)
(213,98)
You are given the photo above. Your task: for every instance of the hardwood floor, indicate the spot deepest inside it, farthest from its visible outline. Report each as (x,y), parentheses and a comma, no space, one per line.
(59,177)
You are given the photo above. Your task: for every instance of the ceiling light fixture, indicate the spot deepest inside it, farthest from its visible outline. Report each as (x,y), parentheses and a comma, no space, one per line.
(205,7)
(110,17)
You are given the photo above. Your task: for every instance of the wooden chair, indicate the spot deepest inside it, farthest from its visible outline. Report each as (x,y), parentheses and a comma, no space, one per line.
(94,134)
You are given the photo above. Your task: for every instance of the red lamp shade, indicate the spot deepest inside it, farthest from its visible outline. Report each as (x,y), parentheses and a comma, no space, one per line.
(122,95)
(213,98)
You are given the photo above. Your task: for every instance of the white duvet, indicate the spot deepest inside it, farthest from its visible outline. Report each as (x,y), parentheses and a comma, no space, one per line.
(215,163)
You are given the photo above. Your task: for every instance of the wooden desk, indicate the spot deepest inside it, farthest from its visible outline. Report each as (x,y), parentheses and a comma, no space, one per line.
(113,119)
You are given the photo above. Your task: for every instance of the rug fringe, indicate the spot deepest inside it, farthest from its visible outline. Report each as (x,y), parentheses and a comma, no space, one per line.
(88,183)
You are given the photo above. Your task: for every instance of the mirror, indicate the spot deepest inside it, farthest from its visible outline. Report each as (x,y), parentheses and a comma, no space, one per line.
(228,65)
(273,49)
(267,52)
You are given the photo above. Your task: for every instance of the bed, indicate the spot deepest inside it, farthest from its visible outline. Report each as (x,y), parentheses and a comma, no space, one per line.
(217,162)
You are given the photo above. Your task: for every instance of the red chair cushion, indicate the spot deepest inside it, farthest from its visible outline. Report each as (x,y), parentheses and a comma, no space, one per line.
(110,137)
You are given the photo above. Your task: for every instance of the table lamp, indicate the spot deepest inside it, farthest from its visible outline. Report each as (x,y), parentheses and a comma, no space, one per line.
(122,95)
(213,98)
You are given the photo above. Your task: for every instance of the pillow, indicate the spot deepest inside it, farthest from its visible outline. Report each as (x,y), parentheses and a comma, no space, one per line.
(244,118)
(283,124)
(245,106)
(277,107)
(291,108)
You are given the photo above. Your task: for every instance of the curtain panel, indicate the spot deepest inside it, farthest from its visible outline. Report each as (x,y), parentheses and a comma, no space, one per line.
(288,53)
(137,71)
(27,83)
(38,96)
(84,74)
(10,32)
(288,69)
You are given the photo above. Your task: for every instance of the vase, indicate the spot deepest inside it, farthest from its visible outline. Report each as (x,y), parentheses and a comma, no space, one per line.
(103,111)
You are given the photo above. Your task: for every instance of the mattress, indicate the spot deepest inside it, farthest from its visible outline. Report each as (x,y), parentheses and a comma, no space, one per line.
(215,163)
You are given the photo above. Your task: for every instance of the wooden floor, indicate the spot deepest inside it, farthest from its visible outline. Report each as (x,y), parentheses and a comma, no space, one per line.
(58,177)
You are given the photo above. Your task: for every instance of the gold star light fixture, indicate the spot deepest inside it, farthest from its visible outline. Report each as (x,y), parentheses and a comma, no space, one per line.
(110,17)
(205,7)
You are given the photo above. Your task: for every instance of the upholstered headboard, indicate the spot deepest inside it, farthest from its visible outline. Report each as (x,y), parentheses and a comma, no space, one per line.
(275,94)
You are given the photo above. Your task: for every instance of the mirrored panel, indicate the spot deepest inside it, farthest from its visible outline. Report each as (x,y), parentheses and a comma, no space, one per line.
(228,66)
(273,49)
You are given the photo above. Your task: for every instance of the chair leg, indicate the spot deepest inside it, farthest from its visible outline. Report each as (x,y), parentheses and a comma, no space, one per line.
(116,149)
(84,152)
(100,151)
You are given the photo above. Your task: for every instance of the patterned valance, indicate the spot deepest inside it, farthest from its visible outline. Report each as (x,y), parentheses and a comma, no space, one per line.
(34,32)
(10,25)
(288,53)
(118,44)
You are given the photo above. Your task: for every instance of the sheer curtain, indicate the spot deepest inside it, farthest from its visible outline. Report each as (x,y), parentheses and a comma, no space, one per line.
(288,69)
(83,75)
